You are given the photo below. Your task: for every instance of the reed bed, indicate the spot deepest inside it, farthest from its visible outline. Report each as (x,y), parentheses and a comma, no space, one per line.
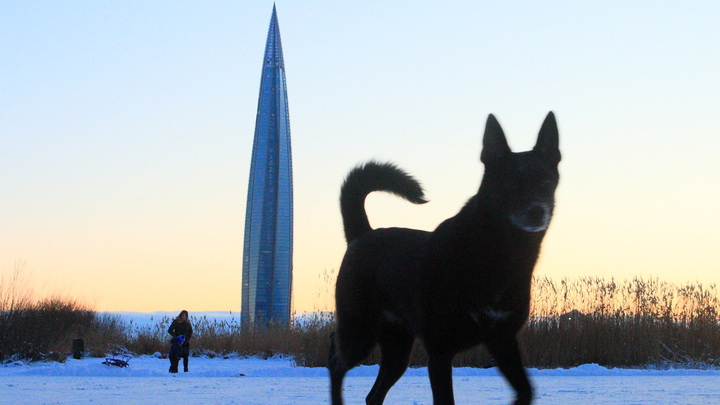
(638,322)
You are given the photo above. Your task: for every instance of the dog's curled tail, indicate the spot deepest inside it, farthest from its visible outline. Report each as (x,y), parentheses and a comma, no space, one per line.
(363,180)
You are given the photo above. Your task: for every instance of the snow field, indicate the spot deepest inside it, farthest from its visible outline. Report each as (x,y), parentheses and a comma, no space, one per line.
(278,381)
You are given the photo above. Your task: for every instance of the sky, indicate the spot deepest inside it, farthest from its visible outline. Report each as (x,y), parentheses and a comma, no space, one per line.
(126,133)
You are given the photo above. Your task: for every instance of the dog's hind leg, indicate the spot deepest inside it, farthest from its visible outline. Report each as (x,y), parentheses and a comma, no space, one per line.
(440,371)
(336,379)
(506,352)
(347,349)
(395,346)
(337,372)
(337,368)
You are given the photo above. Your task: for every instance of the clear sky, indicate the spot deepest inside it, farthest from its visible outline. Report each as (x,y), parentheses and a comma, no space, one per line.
(126,131)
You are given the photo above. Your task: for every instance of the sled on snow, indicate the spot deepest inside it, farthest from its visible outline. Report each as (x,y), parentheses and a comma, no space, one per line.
(118,361)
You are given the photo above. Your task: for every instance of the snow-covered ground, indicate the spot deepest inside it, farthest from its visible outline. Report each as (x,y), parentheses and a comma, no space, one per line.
(278,381)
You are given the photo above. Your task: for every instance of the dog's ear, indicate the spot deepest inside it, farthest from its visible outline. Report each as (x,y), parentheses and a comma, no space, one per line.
(547,142)
(494,143)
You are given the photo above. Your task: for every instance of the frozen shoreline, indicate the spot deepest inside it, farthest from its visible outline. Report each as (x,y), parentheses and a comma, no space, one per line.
(151,366)
(254,381)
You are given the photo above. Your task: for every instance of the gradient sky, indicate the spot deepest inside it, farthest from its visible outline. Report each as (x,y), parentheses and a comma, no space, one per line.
(126,132)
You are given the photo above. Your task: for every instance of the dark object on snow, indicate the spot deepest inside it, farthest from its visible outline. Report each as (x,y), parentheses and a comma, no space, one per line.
(122,360)
(78,347)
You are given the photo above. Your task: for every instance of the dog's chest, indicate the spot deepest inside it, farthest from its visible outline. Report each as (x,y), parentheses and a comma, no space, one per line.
(490,317)
(495,313)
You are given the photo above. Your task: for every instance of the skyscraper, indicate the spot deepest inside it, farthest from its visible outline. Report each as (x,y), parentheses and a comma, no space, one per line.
(268,246)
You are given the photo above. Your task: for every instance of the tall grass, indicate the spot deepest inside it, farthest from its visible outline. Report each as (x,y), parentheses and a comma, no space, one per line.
(39,329)
(630,323)
(636,322)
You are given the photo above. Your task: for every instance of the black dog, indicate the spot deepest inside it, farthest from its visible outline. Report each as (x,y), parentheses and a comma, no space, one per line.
(466,283)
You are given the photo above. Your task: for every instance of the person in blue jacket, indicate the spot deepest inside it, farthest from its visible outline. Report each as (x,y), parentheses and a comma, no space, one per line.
(181,331)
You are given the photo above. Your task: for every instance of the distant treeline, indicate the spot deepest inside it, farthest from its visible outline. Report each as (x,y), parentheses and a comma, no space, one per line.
(633,323)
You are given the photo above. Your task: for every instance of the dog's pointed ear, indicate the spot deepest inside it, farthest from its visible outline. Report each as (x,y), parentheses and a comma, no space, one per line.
(547,142)
(494,143)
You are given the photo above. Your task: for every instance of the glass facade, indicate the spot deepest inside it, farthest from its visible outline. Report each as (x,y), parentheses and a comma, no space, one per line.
(268,246)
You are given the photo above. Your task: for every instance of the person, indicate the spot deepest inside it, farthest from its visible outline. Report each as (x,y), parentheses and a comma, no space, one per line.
(181,331)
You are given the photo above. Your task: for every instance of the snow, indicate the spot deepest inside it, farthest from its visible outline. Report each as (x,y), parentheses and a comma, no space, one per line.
(256,381)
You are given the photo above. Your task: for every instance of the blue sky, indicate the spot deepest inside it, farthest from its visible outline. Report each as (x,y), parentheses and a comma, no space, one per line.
(126,131)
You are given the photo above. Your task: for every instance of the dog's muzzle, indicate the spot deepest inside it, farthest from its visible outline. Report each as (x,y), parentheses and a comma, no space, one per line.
(534,218)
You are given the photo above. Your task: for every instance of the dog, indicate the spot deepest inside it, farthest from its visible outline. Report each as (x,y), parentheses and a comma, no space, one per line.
(465,283)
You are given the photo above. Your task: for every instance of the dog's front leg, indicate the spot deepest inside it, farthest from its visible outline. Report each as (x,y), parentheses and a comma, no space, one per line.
(440,371)
(506,352)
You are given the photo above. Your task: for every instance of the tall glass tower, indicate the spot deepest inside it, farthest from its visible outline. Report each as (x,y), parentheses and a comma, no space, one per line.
(268,246)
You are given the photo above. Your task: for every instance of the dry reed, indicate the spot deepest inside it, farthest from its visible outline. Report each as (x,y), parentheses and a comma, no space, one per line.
(631,323)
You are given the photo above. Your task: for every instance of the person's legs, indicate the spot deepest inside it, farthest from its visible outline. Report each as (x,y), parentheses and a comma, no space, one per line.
(185,354)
